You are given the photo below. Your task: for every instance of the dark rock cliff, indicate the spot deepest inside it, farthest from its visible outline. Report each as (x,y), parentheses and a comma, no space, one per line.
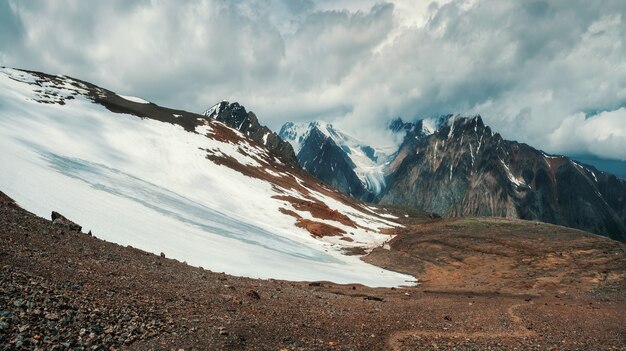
(465,169)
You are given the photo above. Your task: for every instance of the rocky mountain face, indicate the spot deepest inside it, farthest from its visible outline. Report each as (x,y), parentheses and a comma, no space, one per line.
(465,169)
(235,116)
(457,166)
(337,158)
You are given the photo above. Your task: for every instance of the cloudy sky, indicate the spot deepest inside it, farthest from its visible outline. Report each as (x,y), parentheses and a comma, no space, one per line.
(549,73)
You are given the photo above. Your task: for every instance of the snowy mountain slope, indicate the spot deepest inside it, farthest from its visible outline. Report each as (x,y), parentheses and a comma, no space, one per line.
(171,181)
(354,167)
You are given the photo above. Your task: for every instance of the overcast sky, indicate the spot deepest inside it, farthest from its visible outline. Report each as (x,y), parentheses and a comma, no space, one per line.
(549,73)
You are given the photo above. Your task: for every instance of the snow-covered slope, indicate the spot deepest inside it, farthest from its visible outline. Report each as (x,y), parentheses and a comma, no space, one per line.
(368,163)
(170,181)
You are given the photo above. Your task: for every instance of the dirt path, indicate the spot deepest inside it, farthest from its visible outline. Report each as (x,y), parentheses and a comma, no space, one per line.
(519,330)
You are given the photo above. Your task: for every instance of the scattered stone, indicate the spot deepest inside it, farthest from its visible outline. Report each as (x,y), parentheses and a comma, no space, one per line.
(52,316)
(253,294)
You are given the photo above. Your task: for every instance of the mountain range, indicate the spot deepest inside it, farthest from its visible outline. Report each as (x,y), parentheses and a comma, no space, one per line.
(458,166)
(226,181)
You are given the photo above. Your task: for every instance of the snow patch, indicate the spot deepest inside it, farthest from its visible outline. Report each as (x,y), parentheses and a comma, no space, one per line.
(387,215)
(512,178)
(134,99)
(429,126)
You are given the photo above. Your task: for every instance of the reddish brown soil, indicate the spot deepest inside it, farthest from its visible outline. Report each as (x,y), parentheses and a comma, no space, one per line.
(318,210)
(495,254)
(318,229)
(487,284)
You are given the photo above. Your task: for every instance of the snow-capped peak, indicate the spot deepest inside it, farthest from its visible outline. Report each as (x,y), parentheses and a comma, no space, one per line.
(369,162)
(425,126)
(215,110)
(295,134)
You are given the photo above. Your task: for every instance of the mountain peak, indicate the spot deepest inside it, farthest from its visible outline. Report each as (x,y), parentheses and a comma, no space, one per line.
(215,110)
(235,116)
(465,168)
(337,158)
(397,125)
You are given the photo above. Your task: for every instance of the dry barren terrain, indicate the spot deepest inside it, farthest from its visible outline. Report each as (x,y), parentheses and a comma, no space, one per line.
(485,284)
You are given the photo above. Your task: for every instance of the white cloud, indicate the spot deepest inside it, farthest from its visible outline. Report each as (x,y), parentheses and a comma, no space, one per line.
(530,68)
(603,135)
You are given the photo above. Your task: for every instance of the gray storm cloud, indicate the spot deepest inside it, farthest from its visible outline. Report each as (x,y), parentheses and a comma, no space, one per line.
(549,73)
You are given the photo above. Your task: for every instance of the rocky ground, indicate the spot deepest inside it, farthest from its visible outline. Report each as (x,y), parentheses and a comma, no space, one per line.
(486,284)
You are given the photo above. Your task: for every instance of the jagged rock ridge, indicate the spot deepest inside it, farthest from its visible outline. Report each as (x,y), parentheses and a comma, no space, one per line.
(457,166)
(235,116)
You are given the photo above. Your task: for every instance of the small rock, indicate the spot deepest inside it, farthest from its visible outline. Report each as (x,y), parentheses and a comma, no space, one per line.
(162,255)
(253,294)
(51,316)
(5,314)
(19,340)
(222,331)
(60,220)
(97,329)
